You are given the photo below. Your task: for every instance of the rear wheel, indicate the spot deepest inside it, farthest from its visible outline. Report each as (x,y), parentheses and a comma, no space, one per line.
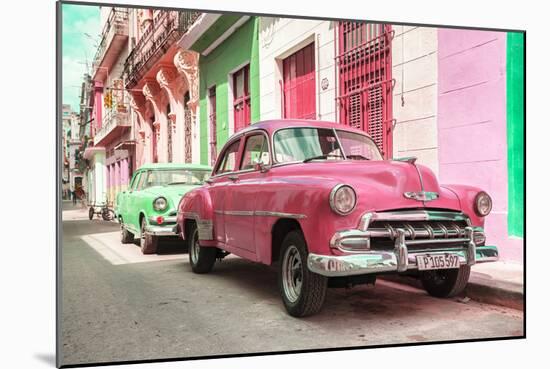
(148,242)
(445,282)
(125,235)
(303,291)
(202,259)
(107,214)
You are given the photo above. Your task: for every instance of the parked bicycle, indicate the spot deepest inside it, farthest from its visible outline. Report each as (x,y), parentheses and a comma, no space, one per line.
(103,210)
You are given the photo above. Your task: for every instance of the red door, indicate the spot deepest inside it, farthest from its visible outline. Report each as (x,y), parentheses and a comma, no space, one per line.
(299,84)
(241,98)
(365,80)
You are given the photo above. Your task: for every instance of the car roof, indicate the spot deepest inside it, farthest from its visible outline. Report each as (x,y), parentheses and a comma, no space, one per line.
(174,166)
(273,125)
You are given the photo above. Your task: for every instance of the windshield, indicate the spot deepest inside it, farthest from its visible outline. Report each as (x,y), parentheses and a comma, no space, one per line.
(304,144)
(175,177)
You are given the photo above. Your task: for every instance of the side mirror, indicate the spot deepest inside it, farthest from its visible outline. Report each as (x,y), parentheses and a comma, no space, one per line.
(261,167)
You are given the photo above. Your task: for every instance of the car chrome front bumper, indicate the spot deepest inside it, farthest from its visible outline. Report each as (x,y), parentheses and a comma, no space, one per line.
(388,261)
(428,236)
(161,230)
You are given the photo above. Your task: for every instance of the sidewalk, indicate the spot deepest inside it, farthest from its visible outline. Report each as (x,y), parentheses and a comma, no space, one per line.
(498,283)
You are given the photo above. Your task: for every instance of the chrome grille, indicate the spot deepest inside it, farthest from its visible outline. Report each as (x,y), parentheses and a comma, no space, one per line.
(418,234)
(421,230)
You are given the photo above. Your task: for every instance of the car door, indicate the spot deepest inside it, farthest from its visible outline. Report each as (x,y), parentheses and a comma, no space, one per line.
(134,201)
(122,198)
(217,185)
(242,191)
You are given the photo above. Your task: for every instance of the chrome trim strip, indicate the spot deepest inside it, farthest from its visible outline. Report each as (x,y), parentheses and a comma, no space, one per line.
(188,214)
(205,229)
(204,226)
(260,213)
(412,215)
(238,212)
(385,261)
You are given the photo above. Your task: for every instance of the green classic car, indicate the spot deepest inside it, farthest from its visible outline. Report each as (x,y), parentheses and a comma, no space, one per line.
(148,209)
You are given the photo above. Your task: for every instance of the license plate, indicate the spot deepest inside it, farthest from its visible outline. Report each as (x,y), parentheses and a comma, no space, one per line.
(439,261)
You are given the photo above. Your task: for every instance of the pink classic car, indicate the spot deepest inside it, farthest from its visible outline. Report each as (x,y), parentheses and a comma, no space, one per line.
(318,200)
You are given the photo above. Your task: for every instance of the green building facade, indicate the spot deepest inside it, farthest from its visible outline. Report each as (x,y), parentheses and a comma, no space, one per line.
(217,64)
(515,109)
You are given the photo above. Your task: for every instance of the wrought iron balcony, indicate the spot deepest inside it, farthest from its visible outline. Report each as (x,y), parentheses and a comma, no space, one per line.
(113,36)
(165,29)
(115,122)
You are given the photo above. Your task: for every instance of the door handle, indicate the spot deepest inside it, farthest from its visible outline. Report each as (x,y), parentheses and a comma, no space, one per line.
(233,178)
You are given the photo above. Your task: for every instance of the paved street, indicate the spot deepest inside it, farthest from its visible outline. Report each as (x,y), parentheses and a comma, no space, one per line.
(121,305)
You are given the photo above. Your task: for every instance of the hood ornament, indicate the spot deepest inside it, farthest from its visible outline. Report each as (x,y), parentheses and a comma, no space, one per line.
(421,195)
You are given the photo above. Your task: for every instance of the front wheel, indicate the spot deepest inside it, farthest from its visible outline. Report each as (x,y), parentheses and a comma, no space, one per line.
(202,259)
(303,291)
(445,282)
(125,235)
(148,242)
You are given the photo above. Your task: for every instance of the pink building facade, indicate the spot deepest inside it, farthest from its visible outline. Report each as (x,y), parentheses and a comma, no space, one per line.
(473,97)
(456,103)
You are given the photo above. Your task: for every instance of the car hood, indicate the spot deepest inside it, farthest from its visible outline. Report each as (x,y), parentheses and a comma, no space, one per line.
(381,185)
(172,192)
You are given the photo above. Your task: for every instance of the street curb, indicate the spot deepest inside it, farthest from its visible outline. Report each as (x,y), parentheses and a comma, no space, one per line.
(501,294)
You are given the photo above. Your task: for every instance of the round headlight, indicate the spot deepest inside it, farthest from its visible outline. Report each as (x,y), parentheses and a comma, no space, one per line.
(483,204)
(342,199)
(160,204)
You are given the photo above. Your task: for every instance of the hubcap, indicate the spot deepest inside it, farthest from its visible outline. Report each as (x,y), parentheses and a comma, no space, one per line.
(292,274)
(195,248)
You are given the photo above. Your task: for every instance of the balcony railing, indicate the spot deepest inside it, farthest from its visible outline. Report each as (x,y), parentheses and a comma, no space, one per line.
(117,24)
(115,122)
(165,29)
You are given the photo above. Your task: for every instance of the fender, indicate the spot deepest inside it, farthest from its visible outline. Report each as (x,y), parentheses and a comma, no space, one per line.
(466,196)
(197,205)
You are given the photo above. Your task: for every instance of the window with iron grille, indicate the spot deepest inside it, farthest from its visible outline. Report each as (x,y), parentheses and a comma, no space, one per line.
(241,98)
(212,124)
(299,84)
(365,80)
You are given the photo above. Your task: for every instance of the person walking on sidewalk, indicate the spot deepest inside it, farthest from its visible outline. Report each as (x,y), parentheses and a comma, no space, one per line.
(74,197)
